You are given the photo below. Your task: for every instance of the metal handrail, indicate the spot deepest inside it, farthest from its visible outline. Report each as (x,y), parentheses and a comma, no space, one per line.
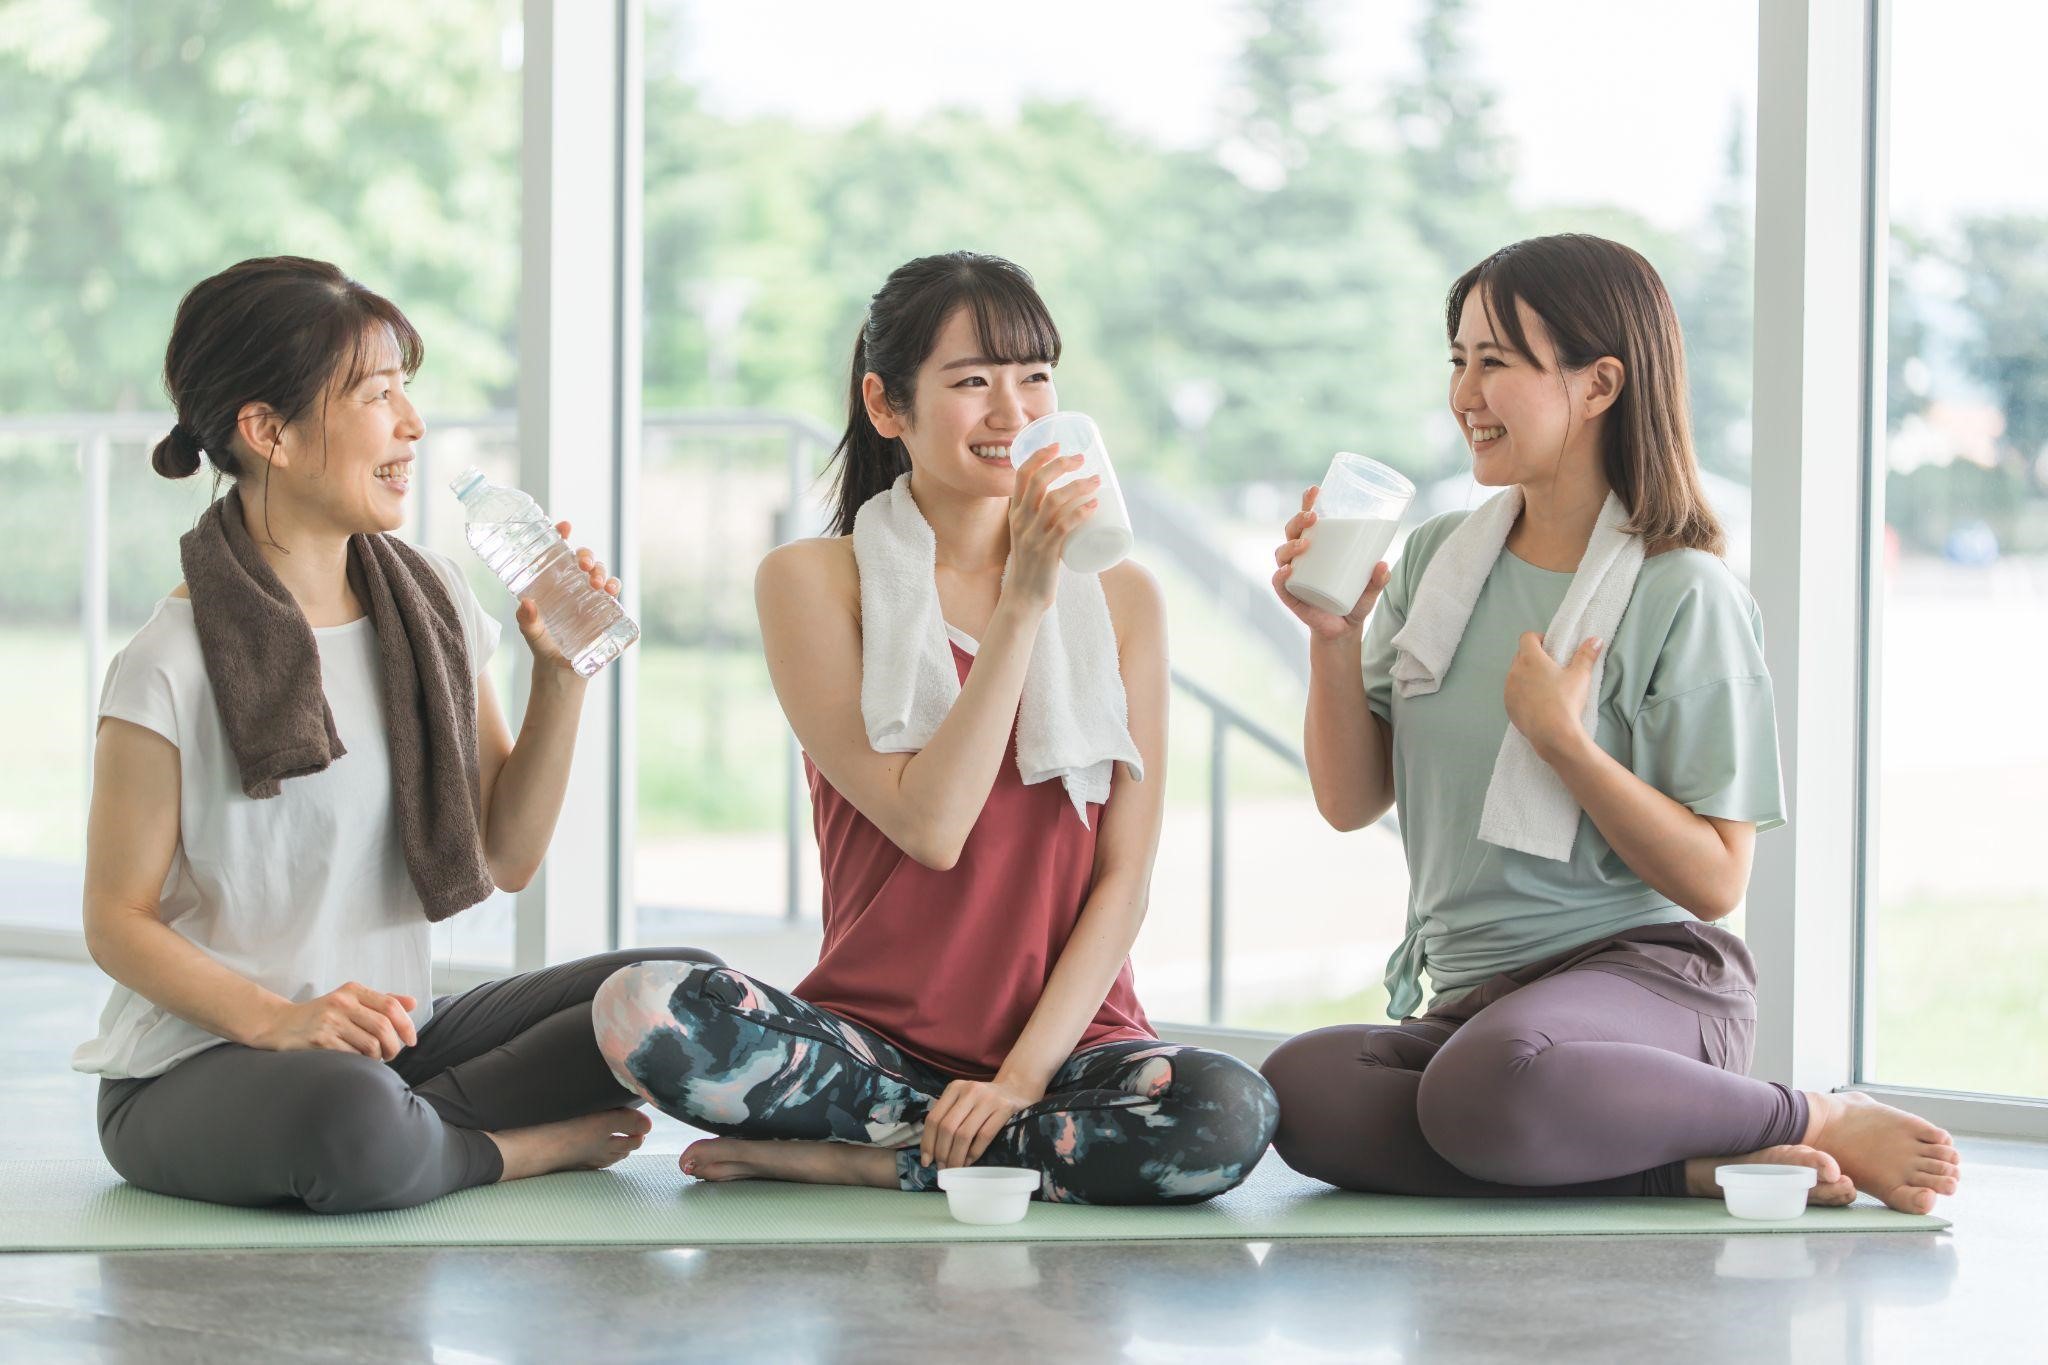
(95,431)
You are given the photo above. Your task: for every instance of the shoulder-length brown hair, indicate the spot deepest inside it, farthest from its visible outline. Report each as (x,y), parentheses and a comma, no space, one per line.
(1600,298)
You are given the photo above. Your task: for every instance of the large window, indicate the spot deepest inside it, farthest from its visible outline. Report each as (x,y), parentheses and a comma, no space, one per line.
(149,146)
(1246,238)
(1957,916)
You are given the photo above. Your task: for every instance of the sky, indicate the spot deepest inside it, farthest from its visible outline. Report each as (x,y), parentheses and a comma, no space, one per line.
(1592,119)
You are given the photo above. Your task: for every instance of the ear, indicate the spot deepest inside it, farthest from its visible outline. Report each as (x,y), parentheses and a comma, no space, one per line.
(262,433)
(1604,378)
(872,393)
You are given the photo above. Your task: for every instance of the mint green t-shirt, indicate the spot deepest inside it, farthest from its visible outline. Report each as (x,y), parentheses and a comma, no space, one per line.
(1685,704)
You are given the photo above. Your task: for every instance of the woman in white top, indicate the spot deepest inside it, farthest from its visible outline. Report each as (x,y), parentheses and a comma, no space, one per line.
(272,1037)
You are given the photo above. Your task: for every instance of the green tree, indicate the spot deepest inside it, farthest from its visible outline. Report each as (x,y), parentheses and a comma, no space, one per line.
(1459,165)
(2004,262)
(1716,306)
(148,146)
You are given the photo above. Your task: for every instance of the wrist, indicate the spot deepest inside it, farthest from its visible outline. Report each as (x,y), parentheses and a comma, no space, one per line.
(1567,747)
(1022,1083)
(1015,611)
(258,1030)
(557,680)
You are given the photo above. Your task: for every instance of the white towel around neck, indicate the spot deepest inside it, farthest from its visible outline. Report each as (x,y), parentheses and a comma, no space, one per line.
(1073,719)
(1528,807)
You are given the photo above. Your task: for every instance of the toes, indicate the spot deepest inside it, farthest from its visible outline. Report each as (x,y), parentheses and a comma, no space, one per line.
(1911,1199)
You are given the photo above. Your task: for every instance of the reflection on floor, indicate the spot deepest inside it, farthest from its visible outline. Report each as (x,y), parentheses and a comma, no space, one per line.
(1967,1294)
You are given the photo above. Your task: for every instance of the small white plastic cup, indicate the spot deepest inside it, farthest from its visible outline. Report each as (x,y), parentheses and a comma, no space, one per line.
(988,1194)
(1766,1191)
(1358,508)
(1104,539)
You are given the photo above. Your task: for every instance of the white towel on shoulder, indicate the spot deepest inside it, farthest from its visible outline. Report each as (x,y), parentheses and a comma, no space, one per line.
(1073,722)
(1528,807)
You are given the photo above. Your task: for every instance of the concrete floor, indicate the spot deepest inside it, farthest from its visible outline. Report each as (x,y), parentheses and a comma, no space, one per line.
(1969,1294)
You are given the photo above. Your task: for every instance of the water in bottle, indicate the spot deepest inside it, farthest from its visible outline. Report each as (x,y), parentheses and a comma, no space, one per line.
(520,545)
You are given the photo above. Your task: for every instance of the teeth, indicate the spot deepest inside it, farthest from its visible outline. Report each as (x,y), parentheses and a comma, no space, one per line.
(1488,433)
(991,452)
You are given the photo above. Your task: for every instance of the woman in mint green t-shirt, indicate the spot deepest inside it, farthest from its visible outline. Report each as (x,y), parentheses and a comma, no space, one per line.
(1564,693)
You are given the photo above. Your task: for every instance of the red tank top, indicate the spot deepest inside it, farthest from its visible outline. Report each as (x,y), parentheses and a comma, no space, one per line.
(949,965)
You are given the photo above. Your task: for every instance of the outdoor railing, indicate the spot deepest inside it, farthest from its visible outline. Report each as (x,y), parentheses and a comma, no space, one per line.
(804,444)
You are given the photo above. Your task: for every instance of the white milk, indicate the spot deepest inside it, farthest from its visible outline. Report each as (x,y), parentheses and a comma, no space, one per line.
(1096,544)
(1342,552)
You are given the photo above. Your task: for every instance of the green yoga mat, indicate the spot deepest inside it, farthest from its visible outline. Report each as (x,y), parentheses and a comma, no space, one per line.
(84,1206)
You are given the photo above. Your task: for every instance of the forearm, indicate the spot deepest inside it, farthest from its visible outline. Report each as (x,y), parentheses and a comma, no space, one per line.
(945,784)
(1678,853)
(526,799)
(1342,740)
(159,964)
(1080,981)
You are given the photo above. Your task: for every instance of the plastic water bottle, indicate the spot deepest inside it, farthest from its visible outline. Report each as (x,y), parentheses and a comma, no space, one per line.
(519,544)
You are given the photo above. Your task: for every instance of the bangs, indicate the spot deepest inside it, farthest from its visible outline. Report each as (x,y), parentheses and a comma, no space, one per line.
(1011,324)
(1496,281)
(377,320)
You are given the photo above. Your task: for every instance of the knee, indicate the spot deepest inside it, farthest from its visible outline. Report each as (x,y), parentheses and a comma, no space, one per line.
(1228,1115)
(636,1001)
(1481,1109)
(359,1140)
(1302,1072)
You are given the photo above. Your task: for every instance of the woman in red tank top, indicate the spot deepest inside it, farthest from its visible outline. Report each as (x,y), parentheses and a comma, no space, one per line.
(973,1000)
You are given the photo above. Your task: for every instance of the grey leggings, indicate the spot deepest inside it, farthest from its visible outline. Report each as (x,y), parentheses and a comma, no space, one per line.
(1582,1083)
(341,1132)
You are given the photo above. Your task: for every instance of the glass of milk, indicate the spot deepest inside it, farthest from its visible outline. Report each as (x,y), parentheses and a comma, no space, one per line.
(1358,507)
(1105,537)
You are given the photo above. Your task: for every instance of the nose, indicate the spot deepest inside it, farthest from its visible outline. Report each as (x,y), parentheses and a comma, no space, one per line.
(1464,389)
(1006,408)
(410,424)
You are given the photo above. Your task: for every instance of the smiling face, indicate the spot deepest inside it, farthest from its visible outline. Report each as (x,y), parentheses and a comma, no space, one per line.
(965,411)
(346,466)
(1516,411)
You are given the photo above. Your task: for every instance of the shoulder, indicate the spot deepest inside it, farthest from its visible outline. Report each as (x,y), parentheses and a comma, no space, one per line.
(809,571)
(169,639)
(444,569)
(810,562)
(1691,585)
(1417,549)
(164,657)
(1427,538)
(1133,591)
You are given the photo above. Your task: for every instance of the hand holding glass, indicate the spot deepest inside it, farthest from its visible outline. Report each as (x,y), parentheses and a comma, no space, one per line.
(1358,508)
(1102,541)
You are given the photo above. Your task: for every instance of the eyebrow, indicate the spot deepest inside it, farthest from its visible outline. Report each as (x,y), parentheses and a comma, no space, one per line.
(985,361)
(1480,346)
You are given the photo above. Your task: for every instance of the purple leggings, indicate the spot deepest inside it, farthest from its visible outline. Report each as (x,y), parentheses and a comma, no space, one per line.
(1583,1082)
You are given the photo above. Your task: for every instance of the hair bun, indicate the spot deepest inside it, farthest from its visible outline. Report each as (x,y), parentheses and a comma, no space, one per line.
(177,455)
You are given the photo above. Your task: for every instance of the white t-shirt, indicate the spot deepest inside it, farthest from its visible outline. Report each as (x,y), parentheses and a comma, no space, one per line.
(300,892)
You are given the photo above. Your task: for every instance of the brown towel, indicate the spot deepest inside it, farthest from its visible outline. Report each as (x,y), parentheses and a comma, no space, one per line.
(265,670)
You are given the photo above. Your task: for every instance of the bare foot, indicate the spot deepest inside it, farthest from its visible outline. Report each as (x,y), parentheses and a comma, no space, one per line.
(1899,1157)
(813,1163)
(1832,1188)
(589,1143)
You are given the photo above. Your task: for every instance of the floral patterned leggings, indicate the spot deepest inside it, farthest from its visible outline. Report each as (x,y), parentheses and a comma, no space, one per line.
(1137,1122)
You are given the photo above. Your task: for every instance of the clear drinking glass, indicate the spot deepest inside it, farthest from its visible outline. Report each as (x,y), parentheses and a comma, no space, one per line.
(1358,508)
(1105,538)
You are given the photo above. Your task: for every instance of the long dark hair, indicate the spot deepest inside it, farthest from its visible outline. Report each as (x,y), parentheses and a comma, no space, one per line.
(1600,298)
(275,330)
(1011,325)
